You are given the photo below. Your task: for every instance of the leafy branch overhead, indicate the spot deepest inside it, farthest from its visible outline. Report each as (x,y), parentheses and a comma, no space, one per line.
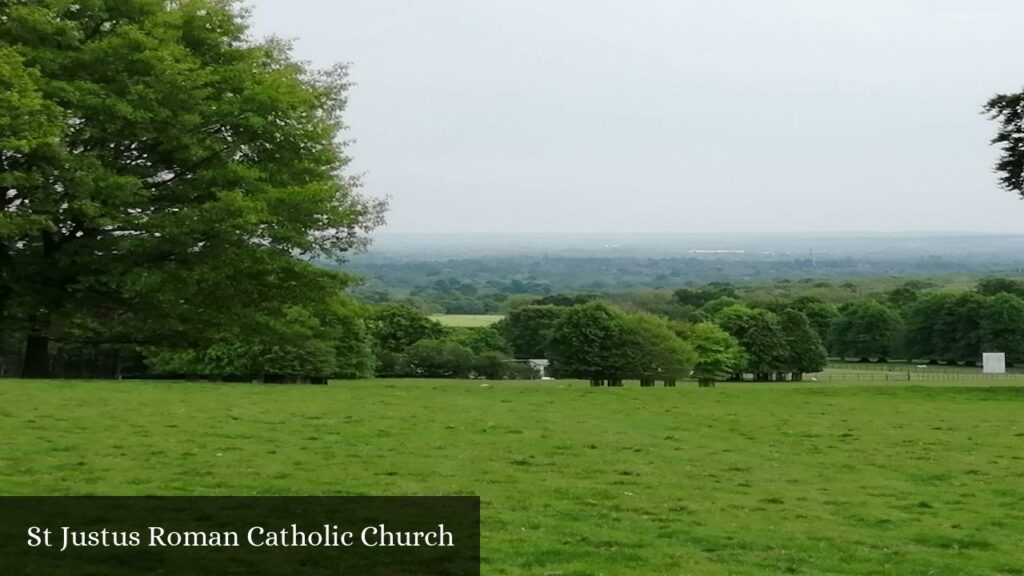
(1008,111)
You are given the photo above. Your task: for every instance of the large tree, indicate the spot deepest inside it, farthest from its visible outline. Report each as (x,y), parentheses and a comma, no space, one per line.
(718,354)
(161,171)
(866,329)
(761,337)
(29,127)
(805,352)
(439,359)
(652,351)
(529,328)
(605,345)
(587,342)
(960,327)
(394,328)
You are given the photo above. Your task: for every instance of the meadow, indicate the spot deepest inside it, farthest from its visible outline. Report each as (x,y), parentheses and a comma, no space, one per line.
(467,320)
(745,479)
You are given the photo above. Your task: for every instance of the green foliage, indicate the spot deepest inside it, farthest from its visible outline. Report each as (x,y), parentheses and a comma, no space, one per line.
(658,302)
(944,326)
(698,297)
(440,359)
(959,327)
(993,286)
(866,328)
(345,328)
(1002,326)
(396,327)
(293,346)
(599,343)
(587,342)
(493,365)
(717,305)
(759,334)
(821,315)
(480,340)
(189,165)
(1008,111)
(408,343)
(528,329)
(652,351)
(565,300)
(805,351)
(903,296)
(717,353)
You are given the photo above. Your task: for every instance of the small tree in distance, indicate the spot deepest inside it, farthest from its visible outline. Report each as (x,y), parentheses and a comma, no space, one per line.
(718,354)
(866,329)
(804,349)
(604,345)
(587,343)
(529,328)
(652,351)
(440,359)
(759,333)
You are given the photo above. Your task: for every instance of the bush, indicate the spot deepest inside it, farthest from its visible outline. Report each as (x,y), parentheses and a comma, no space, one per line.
(492,366)
(439,359)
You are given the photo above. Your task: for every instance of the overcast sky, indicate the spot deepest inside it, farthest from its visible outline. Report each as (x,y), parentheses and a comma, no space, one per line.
(671,115)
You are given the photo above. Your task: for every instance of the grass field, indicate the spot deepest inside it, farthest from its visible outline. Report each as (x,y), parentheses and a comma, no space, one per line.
(741,479)
(467,320)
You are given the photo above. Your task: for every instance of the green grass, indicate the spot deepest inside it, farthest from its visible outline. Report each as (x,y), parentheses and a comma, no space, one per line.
(467,320)
(741,479)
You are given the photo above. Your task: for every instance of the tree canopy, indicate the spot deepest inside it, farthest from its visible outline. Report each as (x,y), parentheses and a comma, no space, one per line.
(586,342)
(652,351)
(528,329)
(960,327)
(866,329)
(717,353)
(163,170)
(760,334)
(805,352)
(1008,111)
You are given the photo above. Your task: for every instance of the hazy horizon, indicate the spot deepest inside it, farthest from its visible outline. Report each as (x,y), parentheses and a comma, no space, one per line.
(812,233)
(671,117)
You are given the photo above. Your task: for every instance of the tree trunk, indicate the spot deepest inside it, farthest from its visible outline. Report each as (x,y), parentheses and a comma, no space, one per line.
(37,357)
(706,383)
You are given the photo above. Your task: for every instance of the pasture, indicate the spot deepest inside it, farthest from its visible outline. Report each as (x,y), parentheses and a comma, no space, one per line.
(747,479)
(467,320)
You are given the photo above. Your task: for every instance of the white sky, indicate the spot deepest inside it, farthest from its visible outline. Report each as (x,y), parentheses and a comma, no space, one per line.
(671,115)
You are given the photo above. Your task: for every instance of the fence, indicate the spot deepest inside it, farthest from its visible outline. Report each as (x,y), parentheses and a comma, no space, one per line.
(908,376)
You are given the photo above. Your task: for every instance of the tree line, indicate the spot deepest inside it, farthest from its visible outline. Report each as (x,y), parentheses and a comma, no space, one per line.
(913,321)
(598,342)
